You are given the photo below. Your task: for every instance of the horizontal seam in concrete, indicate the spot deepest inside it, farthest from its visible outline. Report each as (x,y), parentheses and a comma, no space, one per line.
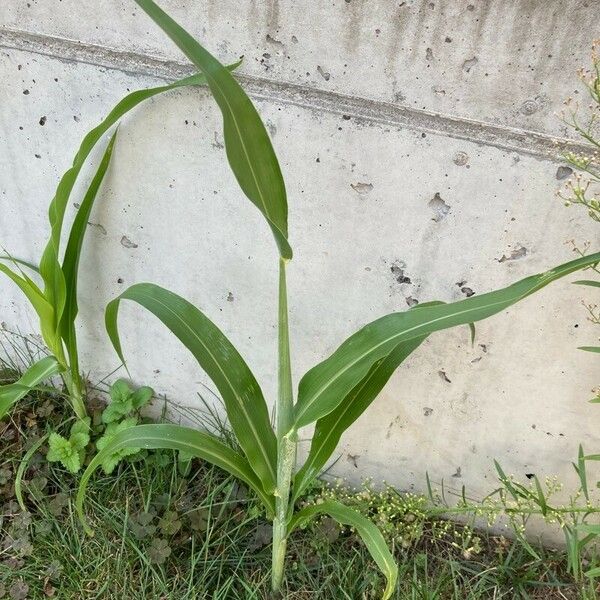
(362,110)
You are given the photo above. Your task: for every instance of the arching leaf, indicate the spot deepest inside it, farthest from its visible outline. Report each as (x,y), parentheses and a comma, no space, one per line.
(323,388)
(245,404)
(249,149)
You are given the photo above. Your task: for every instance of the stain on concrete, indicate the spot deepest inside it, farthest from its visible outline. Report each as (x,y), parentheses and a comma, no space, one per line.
(516,254)
(362,188)
(427,411)
(230,297)
(411,301)
(469,64)
(42,121)
(324,74)
(439,207)
(98,226)
(563,172)
(458,473)
(127,243)
(444,377)
(460,158)
(398,271)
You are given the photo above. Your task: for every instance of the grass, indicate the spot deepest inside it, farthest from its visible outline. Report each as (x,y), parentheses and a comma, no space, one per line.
(163,534)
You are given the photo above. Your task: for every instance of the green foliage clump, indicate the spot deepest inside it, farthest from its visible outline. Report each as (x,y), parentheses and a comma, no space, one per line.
(70,452)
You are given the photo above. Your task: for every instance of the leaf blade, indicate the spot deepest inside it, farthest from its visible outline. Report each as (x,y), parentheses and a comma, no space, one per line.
(247,144)
(35,374)
(323,387)
(245,404)
(367,530)
(72,257)
(49,267)
(329,429)
(174,437)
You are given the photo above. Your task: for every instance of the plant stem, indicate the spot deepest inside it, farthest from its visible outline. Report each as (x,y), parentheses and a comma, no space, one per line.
(286,437)
(75,391)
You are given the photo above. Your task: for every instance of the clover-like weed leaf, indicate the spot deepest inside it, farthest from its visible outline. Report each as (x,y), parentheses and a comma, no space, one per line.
(199,519)
(58,504)
(159,551)
(170,523)
(18,590)
(141,524)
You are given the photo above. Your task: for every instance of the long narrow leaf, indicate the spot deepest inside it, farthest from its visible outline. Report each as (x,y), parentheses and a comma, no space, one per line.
(42,307)
(174,437)
(55,286)
(595,349)
(73,254)
(249,149)
(369,533)
(330,428)
(20,262)
(245,404)
(328,383)
(589,282)
(38,372)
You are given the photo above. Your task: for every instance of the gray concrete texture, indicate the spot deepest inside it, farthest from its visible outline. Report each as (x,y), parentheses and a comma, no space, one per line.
(417,143)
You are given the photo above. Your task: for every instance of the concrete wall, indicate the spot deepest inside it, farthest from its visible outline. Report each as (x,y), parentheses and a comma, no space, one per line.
(413,135)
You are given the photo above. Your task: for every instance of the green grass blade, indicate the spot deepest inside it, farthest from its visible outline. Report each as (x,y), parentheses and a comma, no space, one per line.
(581,470)
(20,262)
(589,282)
(243,398)
(329,429)
(73,254)
(38,372)
(249,149)
(368,532)
(595,349)
(327,384)
(174,437)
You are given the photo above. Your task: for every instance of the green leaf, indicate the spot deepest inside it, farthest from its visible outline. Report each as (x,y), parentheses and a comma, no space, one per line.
(20,262)
(589,282)
(595,349)
(246,407)
(369,533)
(595,572)
(330,428)
(38,372)
(81,426)
(581,471)
(112,459)
(61,450)
(141,397)
(72,256)
(173,437)
(120,391)
(249,149)
(50,270)
(42,307)
(327,384)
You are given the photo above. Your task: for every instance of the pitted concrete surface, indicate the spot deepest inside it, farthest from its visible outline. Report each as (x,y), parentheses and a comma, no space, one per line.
(398,193)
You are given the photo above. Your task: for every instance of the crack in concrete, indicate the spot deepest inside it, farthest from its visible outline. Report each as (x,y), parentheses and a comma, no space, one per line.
(362,110)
